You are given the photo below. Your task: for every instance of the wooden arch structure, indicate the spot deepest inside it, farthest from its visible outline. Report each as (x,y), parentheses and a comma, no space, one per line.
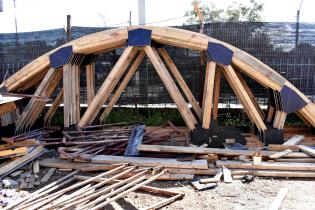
(63,65)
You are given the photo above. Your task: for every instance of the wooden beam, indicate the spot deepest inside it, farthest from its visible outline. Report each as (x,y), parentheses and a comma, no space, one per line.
(294,140)
(307,150)
(281,147)
(280,154)
(171,87)
(208,94)
(216,93)
(54,107)
(241,93)
(108,86)
(189,95)
(90,83)
(199,150)
(123,85)
(270,113)
(251,95)
(267,165)
(147,161)
(7,107)
(279,120)
(71,83)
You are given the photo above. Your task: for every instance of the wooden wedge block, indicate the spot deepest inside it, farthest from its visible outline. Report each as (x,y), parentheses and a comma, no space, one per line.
(276,204)
(200,187)
(47,176)
(227,176)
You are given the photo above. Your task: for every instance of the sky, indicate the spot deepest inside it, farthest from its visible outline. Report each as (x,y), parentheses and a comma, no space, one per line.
(35,15)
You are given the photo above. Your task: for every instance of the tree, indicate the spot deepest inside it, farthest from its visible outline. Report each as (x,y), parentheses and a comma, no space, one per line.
(236,12)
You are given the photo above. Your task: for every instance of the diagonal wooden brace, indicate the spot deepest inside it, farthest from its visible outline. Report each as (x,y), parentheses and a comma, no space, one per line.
(123,85)
(171,87)
(108,86)
(189,95)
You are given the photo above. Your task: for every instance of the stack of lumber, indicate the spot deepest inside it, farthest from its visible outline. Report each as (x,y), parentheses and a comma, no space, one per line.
(20,150)
(97,191)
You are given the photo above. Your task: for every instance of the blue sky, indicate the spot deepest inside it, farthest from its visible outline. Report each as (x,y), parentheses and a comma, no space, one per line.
(35,15)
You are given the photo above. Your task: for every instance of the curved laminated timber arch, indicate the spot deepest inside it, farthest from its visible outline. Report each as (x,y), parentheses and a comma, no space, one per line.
(62,65)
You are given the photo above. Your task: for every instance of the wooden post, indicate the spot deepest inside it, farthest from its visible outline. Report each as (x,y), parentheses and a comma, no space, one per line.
(216,93)
(270,113)
(123,85)
(241,93)
(66,95)
(54,107)
(181,81)
(208,94)
(108,86)
(90,83)
(279,120)
(171,87)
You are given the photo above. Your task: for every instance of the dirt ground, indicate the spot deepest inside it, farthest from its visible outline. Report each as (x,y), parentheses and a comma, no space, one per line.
(258,194)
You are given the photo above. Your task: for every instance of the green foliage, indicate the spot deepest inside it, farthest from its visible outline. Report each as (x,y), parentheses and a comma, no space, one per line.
(236,12)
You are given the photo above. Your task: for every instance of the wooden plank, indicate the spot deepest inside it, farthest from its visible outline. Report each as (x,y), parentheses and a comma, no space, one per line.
(8,107)
(267,165)
(90,82)
(123,85)
(307,150)
(296,139)
(108,86)
(16,151)
(251,95)
(280,154)
(20,161)
(241,93)
(208,94)
(149,162)
(77,94)
(54,107)
(199,150)
(171,87)
(296,160)
(189,95)
(227,175)
(277,202)
(216,93)
(281,147)
(48,174)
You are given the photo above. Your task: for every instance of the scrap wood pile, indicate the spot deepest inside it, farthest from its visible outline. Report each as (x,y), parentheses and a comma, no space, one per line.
(291,159)
(19,150)
(84,192)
